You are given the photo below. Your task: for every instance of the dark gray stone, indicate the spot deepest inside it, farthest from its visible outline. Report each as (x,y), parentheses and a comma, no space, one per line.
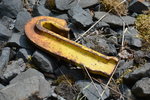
(24,54)
(148,55)
(89,90)
(138,73)
(139,54)
(142,88)
(10,8)
(1,86)
(40,10)
(4,58)
(5,34)
(45,62)
(110,31)
(104,47)
(136,42)
(138,6)
(22,19)
(62,16)
(76,74)
(8,22)
(131,37)
(102,25)
(18,40)
(27,74)
(32,3)
(42,2)
(100,44)
(123,67)
(12,70)
(127,93)
(76,31)
(80,17)
(67,4)
(27,88)
(115,20)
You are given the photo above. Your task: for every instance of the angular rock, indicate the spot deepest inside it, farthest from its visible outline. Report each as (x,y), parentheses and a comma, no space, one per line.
(101,24)
(138,6)
(40,10)
(148,55)
(1,86)
(12,70)
(89,91)
(10,8)
(4,58)
(22,19)
(24,54)
(42,2)
(136,42)
(27,74)
(80,16)
(142,88)
(138,73)
(25,89)
(108,30)
(5,34)
(99,44)
(131,37)
(76,74)
(62,16)
(139,54)
(76,31)
(8,22)
(45,62)
(127,93)
(31,3)
(115,20)
(67,4)
(123,67)
(18,40)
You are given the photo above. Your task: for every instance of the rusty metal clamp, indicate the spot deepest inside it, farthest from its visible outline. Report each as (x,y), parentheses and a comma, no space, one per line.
(51,34)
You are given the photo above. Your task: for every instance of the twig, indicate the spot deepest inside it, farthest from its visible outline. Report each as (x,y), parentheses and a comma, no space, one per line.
(121,95)
(65,77)
(97,22)
(93,82)
(109,80)
(110,88)
(122,45)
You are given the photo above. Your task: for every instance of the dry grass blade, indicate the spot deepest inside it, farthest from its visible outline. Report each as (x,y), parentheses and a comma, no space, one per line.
(109,80)
(122,46)
(65,77)
(93,83)
(118,92)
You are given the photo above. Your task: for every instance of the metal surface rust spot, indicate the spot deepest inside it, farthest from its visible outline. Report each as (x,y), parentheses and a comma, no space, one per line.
(51,34)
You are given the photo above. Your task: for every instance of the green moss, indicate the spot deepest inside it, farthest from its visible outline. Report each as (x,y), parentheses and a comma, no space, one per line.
(143,26)
(118,10)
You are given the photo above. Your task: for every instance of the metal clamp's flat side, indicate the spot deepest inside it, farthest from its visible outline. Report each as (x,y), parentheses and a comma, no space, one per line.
(61,46)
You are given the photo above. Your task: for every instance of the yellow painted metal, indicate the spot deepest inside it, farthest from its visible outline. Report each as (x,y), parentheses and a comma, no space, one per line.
(44,32)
